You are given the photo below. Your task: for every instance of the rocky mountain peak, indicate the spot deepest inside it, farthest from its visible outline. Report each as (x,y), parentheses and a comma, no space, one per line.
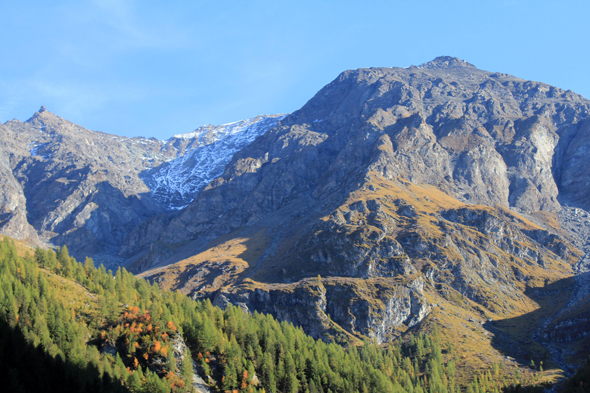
(442,62)
(43,115)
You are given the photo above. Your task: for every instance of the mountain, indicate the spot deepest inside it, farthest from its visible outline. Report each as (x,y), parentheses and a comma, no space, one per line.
(66,185)
(438,195)
(397,200)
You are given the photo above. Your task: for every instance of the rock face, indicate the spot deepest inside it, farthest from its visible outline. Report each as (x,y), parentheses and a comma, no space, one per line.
(13,213)
(81,187)
(207,150)
(377,308)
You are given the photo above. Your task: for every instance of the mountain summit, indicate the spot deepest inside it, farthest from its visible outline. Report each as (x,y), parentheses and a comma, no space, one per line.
(446,62)
(66,185)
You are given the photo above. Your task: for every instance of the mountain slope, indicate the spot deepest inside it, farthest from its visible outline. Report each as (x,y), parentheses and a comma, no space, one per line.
(88,190)
(395,201)
(209,149)
(75,328)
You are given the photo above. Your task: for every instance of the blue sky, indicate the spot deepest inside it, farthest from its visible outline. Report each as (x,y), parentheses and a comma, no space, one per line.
(155,68)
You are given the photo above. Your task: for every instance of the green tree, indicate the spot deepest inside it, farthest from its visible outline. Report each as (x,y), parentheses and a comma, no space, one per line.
(186,367)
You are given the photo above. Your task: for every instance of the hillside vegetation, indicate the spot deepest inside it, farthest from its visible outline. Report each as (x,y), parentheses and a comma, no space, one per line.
(67,326)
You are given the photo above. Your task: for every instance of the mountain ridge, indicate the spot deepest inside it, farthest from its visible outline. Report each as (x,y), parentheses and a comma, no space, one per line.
(97,174)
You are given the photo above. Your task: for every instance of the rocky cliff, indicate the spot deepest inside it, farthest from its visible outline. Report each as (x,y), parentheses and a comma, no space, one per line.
(481,137)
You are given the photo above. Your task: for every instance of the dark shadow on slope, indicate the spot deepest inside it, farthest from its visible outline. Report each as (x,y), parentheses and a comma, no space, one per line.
(524,338)
(102,221)
(26,368)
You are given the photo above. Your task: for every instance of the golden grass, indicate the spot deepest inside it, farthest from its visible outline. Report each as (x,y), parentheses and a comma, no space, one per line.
(478,343)
(73,295)
(238,255)
(550,219)
(425,198)
(22,248)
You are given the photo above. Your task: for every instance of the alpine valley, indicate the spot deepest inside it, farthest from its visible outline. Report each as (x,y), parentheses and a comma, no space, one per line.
(398,201)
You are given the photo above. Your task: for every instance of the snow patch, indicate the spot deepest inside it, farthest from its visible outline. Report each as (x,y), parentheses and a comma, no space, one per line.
(176,182)
(38,149)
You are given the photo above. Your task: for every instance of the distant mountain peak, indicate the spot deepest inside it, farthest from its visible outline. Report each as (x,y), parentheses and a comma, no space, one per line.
(42,114)
(446,62)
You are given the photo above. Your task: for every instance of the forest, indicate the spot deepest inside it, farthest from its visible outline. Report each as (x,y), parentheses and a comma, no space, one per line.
(72,327)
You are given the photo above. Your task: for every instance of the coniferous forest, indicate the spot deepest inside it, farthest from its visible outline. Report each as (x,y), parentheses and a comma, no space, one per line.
(72,327)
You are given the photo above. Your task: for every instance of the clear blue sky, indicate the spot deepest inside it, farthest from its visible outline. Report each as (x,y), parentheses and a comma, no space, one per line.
(157,68)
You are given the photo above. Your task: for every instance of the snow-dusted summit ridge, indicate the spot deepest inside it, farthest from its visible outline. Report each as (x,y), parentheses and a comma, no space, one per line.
(207,150)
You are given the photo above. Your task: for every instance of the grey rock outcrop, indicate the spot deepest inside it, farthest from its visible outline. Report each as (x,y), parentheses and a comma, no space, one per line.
(381,309)
(13,209)
(81,188)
